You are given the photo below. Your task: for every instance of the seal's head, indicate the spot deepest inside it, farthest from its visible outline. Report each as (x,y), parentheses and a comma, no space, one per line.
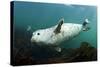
(36,37)
(41,36)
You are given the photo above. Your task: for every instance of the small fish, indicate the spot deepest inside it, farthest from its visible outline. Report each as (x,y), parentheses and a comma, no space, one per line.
(54,35)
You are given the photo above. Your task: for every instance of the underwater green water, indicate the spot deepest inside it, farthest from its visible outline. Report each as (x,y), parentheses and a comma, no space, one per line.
(45,15)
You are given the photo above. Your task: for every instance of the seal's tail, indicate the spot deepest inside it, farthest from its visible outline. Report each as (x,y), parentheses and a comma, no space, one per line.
(85,27)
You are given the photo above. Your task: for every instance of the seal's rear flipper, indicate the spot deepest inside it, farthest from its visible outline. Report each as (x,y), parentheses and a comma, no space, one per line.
(85,28)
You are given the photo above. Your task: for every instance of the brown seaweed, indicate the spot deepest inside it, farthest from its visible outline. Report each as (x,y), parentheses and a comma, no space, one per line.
(31,55)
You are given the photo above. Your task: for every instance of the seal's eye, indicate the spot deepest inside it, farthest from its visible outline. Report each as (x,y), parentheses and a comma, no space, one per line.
(38,33)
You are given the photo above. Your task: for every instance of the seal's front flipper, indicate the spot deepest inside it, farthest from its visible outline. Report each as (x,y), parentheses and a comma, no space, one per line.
(58,28)
(86,28)
(58,49)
